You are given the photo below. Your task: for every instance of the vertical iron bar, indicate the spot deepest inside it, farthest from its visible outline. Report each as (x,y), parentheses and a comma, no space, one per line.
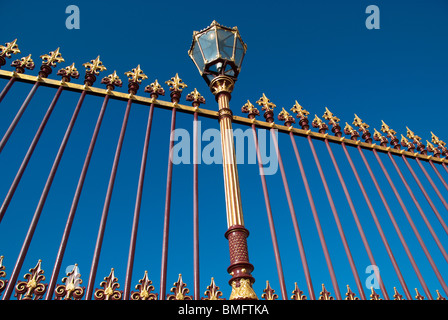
(433,185)
(166,224)
(294,219)
(431,204)
(270,218)
(105,212)
(420,210)
(316,219)
(355,216)
(43,198)
(138,202)
(338,222)
(414,228)
(20,113)
(75,202)
(445,167)
(6,88)
(438,174)
(195,209)
(394,223)
(378,224)
(29,153)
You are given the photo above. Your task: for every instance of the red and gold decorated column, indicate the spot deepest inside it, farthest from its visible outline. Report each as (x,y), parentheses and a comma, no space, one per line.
(240,268)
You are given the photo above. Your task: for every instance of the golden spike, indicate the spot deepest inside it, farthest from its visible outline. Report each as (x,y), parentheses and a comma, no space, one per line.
(348,129)
(358,123)
(109,292)
(94,66)
(136,75)
(176,83)
(145,289)
(52,58)
(374,295)
(266,104)
(248,107)
(179,290)
(212,292)
(377,135)
(439,296)
(328,115)
(317,121)
(419,296)
(404,141)
(301,113)
(9,48)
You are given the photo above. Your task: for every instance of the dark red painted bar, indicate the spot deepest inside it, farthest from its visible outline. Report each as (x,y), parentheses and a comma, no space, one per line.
(6,88)
(427,197)
(338,222)
(28,155)
(294,219)
(394,223)
(99,241)
(438,174)
(166,224)
(414,228)
(316,220)
(433,185)
(74,206)
(377,224)
(138,202)
(19,114)
(419,208)
(195,210)
(355,216)
(270,218)
(43,198)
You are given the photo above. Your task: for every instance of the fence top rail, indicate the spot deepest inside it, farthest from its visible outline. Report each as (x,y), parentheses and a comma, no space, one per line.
(214,114)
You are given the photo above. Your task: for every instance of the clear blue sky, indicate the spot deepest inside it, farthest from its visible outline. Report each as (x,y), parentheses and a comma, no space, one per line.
(319,53)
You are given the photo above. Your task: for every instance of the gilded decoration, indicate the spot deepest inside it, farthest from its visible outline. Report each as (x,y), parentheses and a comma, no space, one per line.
(212,292)
(269,293)
(109,290)
(242,290)
(32,288)
(71,289)
(179,290)
(297,294)
(9,48)
(145,289)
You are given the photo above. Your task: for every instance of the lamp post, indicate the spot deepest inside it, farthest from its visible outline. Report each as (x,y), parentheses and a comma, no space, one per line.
(218,52)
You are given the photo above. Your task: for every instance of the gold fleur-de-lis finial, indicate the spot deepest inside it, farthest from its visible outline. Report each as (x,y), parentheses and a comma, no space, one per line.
(385,128)
(418,295)
(328,115)
(212,292)
(176,83)
(437,141)
(377,135)
(410,134)
(52,58)
(71,289)
(179,290)
(439,296)
(9,48)
(350,295)
(301,112)
(32,289)
(155,89)
(317,122)
(324,294)
(358,123)
(249,108)
(112,81)
(144,289)
(396,295)
(110,286)
(136,75)
(348,129)
(269,293)
(406,143)
(265,103)
(22,64)
(374,295)
(69,72)
(297,294)
(284,114)
(195,97)
(94,66)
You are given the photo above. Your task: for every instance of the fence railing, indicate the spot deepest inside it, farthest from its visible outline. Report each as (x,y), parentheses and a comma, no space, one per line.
(409,148)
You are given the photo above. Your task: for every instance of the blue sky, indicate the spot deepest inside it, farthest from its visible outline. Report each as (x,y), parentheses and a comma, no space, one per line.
(319,53)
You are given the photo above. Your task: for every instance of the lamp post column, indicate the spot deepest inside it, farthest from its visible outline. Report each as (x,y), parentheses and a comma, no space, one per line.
(240,268)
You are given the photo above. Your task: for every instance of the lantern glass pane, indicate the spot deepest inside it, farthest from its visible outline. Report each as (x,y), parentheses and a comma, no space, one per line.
(197,56)
(239,52)
(225,42)
(208,45)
